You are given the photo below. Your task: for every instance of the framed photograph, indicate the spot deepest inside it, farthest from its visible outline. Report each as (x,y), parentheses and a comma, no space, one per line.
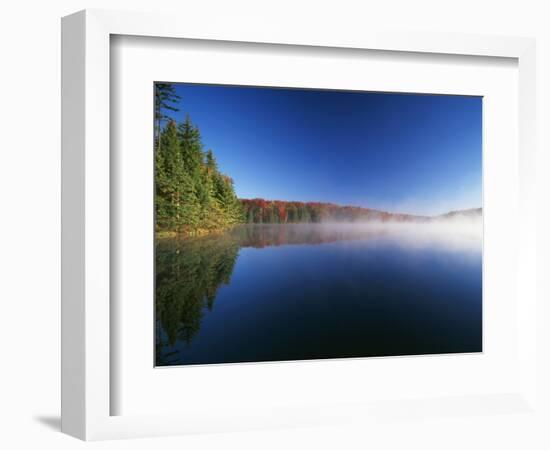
(327,224)
(291,222)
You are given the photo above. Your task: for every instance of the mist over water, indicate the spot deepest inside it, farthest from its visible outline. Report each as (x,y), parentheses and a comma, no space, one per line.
(313,291)
(463,234)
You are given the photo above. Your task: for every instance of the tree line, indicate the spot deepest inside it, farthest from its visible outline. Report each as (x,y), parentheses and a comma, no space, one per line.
(191,195)
(259,210)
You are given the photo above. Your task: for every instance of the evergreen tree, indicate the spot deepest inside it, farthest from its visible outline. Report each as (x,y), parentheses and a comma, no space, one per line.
(191,146)
(176,198)
(224,193)
(193,159)
(192,195)
(165,99)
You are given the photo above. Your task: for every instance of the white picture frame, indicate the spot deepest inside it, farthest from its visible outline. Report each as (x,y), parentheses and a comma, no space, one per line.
(86,284)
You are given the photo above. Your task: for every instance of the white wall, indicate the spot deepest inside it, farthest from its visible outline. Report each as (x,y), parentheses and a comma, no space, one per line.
(29,227)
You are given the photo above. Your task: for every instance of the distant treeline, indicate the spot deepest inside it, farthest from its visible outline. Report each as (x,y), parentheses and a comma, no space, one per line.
(191,195)
(259,210)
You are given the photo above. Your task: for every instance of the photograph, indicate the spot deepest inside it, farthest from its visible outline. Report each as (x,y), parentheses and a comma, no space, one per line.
(298,224)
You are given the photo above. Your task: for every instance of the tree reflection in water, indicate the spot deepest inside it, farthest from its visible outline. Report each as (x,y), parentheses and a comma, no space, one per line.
(189,272)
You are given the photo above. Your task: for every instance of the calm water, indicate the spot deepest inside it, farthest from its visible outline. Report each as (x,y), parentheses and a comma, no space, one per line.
(289,292)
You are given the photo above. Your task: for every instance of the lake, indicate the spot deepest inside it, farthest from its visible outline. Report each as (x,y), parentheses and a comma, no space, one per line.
(315,291)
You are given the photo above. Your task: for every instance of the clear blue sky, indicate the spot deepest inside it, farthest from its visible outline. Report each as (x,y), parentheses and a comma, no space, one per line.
(397,152)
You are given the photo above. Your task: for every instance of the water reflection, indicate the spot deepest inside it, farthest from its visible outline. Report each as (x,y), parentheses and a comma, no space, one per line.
(461,236)
(191,271)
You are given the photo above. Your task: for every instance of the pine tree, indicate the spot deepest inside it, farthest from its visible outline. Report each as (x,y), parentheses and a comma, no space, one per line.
(192,195)
(224,193)
(191,146)
(176,195)
(165,99)
(193,161)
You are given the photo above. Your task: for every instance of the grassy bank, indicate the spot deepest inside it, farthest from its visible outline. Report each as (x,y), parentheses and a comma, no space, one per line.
(170,234)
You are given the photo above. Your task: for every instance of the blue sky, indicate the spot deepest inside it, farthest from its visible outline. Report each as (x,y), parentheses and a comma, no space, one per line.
(397,152)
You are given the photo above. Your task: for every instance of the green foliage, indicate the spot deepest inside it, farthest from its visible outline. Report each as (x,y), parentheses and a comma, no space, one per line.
(166,99)
(189,273)
(191,195)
